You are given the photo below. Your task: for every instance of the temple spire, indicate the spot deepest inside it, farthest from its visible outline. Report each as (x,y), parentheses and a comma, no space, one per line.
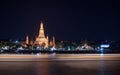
(27,40)
(54,41)
(41,31)
(41,25)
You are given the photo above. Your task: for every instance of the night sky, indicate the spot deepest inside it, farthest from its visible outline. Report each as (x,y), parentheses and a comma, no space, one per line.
(64,19)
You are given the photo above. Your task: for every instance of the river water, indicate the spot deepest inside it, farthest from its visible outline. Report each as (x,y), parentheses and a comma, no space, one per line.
(60,67)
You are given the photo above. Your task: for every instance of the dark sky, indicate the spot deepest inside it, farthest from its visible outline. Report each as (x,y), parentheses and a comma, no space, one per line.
(64,19)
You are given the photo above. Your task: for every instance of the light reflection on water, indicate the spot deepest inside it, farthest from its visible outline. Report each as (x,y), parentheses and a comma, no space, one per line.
(85,67)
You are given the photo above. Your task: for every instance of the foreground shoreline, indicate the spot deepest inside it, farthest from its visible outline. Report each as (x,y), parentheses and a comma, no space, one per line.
(58,57)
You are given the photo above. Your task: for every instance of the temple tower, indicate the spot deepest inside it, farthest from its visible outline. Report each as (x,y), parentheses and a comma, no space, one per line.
(27,40)
(54,44)
(41,39)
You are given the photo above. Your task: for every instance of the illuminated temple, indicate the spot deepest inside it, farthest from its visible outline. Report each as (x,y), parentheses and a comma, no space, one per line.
(43,40)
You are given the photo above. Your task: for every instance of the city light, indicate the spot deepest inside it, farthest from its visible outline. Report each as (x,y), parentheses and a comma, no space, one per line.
(105,45)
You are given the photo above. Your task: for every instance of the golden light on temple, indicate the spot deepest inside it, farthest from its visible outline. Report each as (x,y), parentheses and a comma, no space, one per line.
(54,41)
(27,40)
(41,39)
